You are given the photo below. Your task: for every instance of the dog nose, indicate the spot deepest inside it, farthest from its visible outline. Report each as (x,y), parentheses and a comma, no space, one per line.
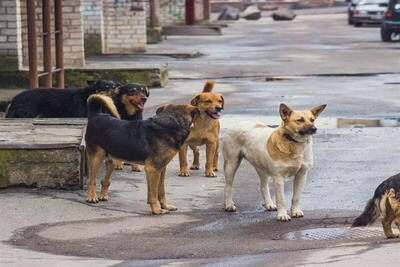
(144,99)
(313,129)
(218,109)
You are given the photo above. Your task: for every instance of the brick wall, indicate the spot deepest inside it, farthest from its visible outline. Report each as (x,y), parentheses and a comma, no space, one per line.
(172,12)
(92,17)
(124,28)
(73,33)
(10,35)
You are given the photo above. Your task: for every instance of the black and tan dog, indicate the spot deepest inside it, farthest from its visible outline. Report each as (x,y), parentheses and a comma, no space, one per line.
(205,131)
(56,103)
(130,100)
(386,202)
(152,142)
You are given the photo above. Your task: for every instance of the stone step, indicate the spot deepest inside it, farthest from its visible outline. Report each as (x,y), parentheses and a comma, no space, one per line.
(42,153)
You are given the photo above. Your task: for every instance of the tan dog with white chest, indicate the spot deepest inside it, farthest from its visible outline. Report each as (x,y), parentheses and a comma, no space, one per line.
(205,131)
(274,152)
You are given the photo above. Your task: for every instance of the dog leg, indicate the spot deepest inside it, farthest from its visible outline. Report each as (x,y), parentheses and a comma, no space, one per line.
(387,221)
(196,158)
(105,183)
(136,168)
(230,168)
(215,166)
(183,161)
(210,154)
(161,194)
(95,158)
(279,186)
(153,179)
(298,185)
(118,165)
(268,204)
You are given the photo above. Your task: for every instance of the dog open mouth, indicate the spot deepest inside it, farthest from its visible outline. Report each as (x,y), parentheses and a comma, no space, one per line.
(213,115)
(138,105)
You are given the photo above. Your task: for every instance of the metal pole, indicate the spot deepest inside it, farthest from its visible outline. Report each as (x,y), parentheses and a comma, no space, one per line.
(206,9)
(153,14)
(59,42)
(46,12)
(32,46)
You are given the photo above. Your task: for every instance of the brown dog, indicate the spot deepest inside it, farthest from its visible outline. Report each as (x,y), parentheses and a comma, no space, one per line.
(152,142)
(205,131)
(386,202)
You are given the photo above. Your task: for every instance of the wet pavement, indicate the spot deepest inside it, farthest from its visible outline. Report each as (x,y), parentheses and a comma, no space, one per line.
(257,65)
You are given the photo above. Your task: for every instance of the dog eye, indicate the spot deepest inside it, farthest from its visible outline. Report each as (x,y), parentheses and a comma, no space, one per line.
(208,101)
(312,120)
(219,101)
(300,120)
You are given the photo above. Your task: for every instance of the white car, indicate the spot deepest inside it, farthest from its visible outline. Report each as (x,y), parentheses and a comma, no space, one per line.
(369,11)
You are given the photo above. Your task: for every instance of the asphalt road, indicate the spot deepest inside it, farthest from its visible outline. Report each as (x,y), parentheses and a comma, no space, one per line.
(313,60)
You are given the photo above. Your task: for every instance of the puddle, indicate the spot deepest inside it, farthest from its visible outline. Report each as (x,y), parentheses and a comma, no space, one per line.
(229,120)
(339,233)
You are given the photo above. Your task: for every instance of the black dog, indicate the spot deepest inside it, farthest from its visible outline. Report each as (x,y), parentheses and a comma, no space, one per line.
(154,142)
(130,100)
(57,103)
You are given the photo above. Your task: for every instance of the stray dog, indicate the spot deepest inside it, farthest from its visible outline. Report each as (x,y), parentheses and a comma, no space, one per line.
(57,103)
(205,131)
(130,100)
(386,202)
(152,142)
(274,152)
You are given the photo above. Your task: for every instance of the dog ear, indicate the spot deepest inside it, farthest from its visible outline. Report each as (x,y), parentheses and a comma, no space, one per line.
(317,110)
(195,100)
(146,91)
(285,111)
(161,109)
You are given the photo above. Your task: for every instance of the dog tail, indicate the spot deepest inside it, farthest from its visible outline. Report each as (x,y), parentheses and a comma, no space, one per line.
(100,103)
(208,87)
(371,212)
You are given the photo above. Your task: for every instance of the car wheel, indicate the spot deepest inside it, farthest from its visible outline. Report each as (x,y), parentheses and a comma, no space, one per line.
(386,34)
(357,24)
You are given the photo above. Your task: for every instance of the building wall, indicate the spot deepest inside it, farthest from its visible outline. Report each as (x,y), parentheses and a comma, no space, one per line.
(92,17)
(73,34)
(124,28)
(10,35)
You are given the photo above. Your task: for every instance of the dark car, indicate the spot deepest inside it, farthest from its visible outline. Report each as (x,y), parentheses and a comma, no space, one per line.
(391,21)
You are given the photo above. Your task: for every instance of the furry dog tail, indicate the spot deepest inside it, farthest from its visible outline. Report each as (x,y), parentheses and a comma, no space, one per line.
(101,104)
(371,212)
(208,87)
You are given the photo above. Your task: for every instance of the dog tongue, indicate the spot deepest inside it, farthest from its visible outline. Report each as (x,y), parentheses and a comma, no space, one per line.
(140,106)
(215,116)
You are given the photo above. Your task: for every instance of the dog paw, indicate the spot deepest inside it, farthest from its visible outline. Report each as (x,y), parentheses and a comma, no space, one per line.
(118,165)
(160,211)
(297,214)
(210,174)
(215,169)
(230,207)
(104,197)
(195,167)
(169,207)
(392,235)
(135,168)
(184,173)
(92,199)
(270,207)
(283,218)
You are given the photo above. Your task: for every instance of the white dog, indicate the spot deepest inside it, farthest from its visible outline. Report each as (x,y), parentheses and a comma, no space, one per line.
(274,152)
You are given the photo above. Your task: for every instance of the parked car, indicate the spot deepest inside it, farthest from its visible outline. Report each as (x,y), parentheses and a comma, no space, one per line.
(369,12)
(350,10)
(391,21)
